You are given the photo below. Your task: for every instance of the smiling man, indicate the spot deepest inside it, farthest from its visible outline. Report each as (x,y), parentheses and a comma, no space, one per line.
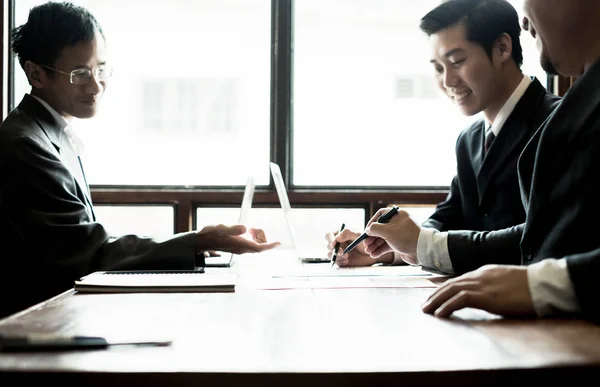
(550,264)
(476,57)
(50,235)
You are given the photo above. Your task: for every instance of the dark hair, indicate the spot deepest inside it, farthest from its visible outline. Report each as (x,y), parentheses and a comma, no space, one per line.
(49,29)
(484,20)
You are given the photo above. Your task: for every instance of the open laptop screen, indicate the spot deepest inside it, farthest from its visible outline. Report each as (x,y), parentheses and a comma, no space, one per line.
(226,259)
(305,252)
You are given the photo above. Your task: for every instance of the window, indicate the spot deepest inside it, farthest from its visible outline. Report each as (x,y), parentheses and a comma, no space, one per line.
(189,102)
(363,87)
(140,220)
(188,106)
(200,87)
(419,87)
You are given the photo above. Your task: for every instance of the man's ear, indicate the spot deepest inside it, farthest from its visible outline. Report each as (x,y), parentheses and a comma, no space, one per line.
(35,74)
(503,47)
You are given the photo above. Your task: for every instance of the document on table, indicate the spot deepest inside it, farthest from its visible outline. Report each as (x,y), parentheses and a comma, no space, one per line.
(341,282)
(324,276)
(324,270)
(156,282)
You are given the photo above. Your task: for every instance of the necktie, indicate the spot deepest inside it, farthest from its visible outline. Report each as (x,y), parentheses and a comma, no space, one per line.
(489,137)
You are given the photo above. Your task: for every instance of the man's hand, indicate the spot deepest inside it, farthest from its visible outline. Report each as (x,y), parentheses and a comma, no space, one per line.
(232,239)
(356,257)
(501,290)
(400,234)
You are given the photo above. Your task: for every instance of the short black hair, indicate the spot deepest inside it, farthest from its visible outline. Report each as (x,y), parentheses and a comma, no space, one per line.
(484,20)
(50,28)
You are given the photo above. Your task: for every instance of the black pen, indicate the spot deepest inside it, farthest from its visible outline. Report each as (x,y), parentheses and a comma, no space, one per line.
(50,342)
(337,246)
(384,218)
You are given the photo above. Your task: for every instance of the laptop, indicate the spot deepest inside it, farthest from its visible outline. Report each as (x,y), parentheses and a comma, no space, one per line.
(226,259)
(306,253)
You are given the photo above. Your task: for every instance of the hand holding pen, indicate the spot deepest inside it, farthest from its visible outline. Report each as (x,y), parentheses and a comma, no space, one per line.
(399,234)
(381,218)
(337,246)
(356,257)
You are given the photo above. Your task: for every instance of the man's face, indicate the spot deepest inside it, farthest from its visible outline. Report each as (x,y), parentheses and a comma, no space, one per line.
(464,71)
(76,100)
(552,23)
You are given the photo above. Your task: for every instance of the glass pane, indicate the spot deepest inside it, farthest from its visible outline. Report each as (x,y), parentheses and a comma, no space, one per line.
(310,224)
(363,86)
(141,220)
(189,98)
(419,213)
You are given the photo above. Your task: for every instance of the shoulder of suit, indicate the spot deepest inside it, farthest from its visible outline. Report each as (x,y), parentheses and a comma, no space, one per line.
(474,127)
(549,103)
(19,127)
(548,97)
(469,137)
(16,124)
(536,104)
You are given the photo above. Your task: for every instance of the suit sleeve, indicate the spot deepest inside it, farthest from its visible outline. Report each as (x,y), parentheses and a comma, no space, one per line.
(448,214)
(584,267)
(583,270)
(470,250)
(40,199)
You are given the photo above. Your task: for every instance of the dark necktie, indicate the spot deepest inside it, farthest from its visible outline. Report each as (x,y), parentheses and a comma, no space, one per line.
(489,137)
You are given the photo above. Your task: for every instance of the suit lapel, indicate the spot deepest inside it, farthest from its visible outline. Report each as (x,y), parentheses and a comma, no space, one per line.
(555,137)
(55,133)
(476,150)
(73,163)
(88,196)
(511,138)
(525,166)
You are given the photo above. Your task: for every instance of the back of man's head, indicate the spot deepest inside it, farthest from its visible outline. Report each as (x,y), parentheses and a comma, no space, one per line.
(50,28)
(484,20)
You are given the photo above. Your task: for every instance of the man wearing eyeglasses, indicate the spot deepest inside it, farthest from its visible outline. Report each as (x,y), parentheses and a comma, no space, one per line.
(48,230)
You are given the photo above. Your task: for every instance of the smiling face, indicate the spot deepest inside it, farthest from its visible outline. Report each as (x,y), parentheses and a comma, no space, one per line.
(68,99)
(465,72)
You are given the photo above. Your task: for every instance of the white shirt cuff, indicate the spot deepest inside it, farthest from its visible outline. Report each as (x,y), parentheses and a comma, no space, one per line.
(551,288)
(432,250)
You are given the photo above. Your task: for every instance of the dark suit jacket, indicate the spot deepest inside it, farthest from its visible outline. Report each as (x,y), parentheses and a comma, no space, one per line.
(49,236)
(484,194)
(560,188)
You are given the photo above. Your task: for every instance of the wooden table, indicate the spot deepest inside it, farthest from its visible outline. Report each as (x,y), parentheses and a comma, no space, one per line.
(299,337)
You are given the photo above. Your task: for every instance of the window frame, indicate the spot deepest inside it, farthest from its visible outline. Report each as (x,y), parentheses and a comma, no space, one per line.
(186,200)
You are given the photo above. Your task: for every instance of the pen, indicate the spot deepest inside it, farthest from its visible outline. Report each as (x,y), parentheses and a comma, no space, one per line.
(337,246)
(384,218)
(50,342)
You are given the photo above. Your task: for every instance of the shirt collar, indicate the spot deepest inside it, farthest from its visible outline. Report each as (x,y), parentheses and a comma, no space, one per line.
(74,139)
(60,119)
(509,105)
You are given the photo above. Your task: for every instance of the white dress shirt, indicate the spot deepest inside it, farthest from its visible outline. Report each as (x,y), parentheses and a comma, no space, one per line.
(549,282)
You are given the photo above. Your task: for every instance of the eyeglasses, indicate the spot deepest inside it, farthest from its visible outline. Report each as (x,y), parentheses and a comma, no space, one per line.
(84,76)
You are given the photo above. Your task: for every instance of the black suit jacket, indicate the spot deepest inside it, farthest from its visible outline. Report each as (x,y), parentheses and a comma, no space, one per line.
(48,232)
(484,194)
(559,173)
